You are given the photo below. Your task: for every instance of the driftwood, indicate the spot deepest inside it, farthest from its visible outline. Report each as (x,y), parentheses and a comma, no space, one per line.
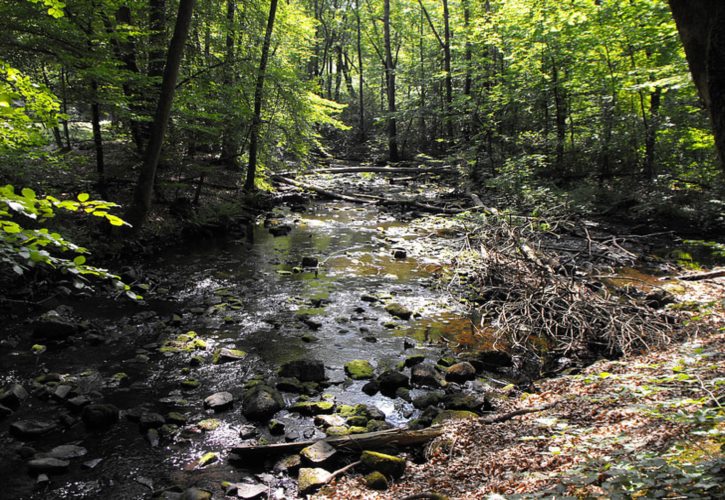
(371,169)
(366,441)
(701,276)
(324,192)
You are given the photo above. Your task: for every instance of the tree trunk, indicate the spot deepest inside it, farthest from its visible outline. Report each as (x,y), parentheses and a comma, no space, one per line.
(361,111)
(258,95)
(560,118)
(650,139)
(447,69)
(97,137)
(701,24)
(126,53)
(229,138)
(144,186)
(390,85)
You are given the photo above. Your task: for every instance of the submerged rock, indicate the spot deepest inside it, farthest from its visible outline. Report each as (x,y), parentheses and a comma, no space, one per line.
(48,465)
(390,380)
(305,370)
(398,310)
(312,407)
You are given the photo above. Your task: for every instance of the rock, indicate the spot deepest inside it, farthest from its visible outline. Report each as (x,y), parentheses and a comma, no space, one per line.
(311,479)
(460,372)
(151,421)
(247,490)
(92,464)
(247,431)
(369,298)
(377,425)
(426,375)
(403,393)
(428,399)
(13,396)
(309,262)
(389,465)
(207,459)
(219,401)
(495,360)
(195,494)
(390,380)
(176,418)
(67,451)
(337,430)
(53,326)
(5,411)
(371,388)
(29,429)
(468,402)
(209,424)
(78,403)
(357,421)
(318,453)
(290,384)
(276,428)
(325,421)
(43,480)
(447,361)
(190,384)
(414,360)
(261,402)
(99,416)
(305,370)
(398,310)
(48,465)
(226,354)
(288,464)
(280,230)
(447,415)
(312,407)
(359,369)
(153,437)
(376,481)
(62,392)
(309,321)
(399,253)
(659,298)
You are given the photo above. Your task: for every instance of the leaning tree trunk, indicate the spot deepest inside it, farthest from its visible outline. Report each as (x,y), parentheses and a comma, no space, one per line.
(258,94)
(144,186)
(701,24)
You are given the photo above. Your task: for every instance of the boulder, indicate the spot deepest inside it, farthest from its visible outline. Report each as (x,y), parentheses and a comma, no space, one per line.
(288,464)
(371,388)
(390,380)
(359,369)
(376,481)
(388,465)
(99,416)
(29,429)
(13,396)
(261,402)
(67,451)
(460,372)
(428,399)
(425,374)
(290,384)
(305,370)
(226,354)
(309,261)
(399,253)
(219,401)
(312,407)
(52,326)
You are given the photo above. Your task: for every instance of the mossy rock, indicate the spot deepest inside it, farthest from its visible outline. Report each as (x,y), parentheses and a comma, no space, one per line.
(337,430)
(389,465)
(359,369)
(190,383)
(176,418)
(225,354)
(357,420)
(376,481)
(311,479)
(357,429)
(312,407)
(208,458)
(448,415)
(398,310)
(209,424)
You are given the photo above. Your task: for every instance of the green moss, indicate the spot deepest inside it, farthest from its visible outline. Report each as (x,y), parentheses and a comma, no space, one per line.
(359,369)
(389,465)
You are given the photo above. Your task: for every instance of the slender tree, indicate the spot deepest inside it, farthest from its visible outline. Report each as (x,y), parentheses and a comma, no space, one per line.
(258,96)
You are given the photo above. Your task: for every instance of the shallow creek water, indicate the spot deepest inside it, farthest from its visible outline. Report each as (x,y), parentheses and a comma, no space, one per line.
(247,294)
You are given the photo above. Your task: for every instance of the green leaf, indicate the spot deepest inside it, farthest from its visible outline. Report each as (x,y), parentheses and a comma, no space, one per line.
(115,221)
(79,261)
(28,193)
(83,197)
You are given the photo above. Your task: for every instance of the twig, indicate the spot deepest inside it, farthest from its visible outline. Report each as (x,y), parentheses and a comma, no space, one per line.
(342,471)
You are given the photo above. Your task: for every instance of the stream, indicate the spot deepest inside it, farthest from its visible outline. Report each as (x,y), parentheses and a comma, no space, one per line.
(250,294)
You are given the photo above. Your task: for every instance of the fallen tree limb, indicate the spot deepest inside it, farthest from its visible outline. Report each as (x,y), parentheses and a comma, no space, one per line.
(341,471)
(324,192)
(366,441)
(372,169)
(701,276)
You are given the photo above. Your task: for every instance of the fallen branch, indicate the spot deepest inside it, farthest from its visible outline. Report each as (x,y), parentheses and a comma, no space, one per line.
(365,441)
(318,190)
(341,471)
(372,169)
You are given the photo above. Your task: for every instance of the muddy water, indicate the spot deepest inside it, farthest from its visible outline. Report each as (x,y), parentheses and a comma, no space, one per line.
(250,294)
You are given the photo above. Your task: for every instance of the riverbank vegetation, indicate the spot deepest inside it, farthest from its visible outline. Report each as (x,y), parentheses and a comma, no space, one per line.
(561,165)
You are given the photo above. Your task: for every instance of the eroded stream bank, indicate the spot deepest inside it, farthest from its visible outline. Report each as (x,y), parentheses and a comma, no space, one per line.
(122,387)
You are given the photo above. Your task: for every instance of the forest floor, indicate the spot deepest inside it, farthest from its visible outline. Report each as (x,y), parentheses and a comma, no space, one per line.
(647,427)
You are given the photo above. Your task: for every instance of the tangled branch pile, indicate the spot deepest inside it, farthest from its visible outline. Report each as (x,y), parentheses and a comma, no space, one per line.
(546,304)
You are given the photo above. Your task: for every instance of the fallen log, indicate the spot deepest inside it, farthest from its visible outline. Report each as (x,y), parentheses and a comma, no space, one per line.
(359,442)
(701,276)
(372,169)
(324,192)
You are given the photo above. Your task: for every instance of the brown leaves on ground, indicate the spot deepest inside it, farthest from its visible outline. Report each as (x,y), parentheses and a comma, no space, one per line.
(610,412)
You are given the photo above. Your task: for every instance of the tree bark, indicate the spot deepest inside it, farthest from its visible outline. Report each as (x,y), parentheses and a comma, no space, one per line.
(390,85)
(258,95)
(229,139)
(144,186)
(98,137)
(447,69)
(361,110)
(701,24)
